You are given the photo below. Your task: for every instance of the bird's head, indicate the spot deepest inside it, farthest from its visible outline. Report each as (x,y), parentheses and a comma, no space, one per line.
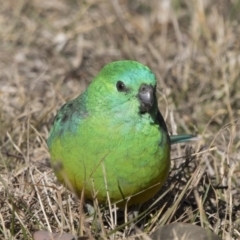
(123,87)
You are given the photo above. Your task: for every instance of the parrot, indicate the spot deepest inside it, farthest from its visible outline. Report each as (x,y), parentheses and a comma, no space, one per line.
(111,142)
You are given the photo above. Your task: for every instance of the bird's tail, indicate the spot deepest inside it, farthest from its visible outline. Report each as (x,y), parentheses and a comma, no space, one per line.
(183,138)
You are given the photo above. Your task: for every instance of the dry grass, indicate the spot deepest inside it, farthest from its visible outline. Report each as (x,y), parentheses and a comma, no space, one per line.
(50,50)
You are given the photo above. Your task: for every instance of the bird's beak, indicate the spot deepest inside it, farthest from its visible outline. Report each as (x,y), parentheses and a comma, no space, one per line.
(146,96)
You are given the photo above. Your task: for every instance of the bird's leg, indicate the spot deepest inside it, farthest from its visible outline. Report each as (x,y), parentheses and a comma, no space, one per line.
(132,217)
(133,212)
(94,215)
(90,208)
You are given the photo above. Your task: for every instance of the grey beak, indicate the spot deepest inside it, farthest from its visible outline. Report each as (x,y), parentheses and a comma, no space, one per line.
(146,96)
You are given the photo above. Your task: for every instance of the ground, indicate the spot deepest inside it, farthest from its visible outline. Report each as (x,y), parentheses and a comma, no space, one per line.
(51,50)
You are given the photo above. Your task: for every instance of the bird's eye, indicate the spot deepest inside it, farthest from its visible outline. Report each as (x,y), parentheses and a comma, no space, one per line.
(121,86)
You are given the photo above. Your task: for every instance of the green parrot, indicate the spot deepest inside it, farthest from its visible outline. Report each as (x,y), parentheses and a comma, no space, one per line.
(112,141)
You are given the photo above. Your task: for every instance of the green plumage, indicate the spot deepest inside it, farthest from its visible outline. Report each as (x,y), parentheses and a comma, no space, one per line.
(112,139)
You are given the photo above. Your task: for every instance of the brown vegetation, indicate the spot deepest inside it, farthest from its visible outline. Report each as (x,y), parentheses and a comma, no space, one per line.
(50,51)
